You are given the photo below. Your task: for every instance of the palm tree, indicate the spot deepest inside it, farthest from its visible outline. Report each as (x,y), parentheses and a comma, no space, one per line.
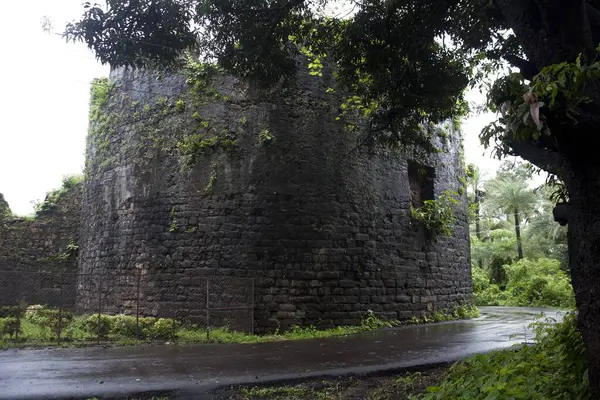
(473,183)
(544,232)
(511,195)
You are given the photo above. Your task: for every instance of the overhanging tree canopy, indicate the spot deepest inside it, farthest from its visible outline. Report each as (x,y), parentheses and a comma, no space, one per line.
(407,64)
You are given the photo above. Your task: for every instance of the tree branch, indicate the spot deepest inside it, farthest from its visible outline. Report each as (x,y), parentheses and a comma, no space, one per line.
(546,159)
(528,69)
(549,31)
(594,20)
(525,20)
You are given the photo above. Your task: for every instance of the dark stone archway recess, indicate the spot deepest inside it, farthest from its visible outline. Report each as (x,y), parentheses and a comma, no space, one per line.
(324,230)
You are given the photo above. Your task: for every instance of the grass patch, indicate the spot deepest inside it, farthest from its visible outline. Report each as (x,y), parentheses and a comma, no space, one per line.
(132,397)
(397,387)
(221,335)
(275,392)
(38,327)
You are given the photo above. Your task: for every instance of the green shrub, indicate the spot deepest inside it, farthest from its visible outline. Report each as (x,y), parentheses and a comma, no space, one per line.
(77,328)
(34,312)
(49,320)
(100,325)
(164,329)
(125,325)
(553,368)
(10,326)
(464,312)
(491,296)
(146,324)
(372,322)
(536,283)
(481,279)
(437,216)
(149,328)
(11,311)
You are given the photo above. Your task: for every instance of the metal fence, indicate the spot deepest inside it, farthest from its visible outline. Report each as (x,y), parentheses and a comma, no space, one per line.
(185,307)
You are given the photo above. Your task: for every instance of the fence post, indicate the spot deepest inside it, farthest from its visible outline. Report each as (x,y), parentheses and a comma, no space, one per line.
(252,310)
(60,305)
(18,307)
(137,305)
(17,312)
(207,310)
(173,325)
(99,307)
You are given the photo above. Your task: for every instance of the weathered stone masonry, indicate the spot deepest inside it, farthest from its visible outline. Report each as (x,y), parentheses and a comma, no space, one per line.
(284,198)
(37,255)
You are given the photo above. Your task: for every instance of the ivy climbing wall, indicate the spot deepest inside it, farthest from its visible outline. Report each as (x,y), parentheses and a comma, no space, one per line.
(38,254)
(197,174)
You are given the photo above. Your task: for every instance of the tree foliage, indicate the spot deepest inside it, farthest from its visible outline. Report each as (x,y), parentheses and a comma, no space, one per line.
(429,49)
(412,58)
(494,250)
(437,216)
(5,211)
(508,195)
(529,283)
(511,189)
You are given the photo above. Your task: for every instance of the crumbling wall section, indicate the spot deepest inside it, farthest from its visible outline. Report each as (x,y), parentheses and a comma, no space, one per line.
(38,254)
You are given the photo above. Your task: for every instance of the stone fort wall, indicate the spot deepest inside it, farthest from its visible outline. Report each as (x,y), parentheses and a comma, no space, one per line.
(38,254)
(188,178)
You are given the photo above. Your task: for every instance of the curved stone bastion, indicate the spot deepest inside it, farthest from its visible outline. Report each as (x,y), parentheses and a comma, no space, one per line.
(190,175)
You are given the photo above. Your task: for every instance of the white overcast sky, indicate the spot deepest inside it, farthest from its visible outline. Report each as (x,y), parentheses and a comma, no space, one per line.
(44,103)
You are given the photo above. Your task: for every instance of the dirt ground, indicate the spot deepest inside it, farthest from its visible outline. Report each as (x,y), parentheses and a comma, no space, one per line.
(396,387)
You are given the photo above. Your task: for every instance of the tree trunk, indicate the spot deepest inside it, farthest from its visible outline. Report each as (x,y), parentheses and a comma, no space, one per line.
(477,224)
(518,233)
(553,32)
(584,260)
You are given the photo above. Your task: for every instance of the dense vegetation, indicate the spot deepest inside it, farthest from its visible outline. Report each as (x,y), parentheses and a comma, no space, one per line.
(553,368)
(518,251)
(519,259)
(534,283)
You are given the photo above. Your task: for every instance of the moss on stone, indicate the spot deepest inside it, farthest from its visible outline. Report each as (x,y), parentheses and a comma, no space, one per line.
(103,122)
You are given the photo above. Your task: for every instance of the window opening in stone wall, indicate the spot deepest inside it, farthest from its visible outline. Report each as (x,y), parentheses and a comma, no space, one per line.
(420,180)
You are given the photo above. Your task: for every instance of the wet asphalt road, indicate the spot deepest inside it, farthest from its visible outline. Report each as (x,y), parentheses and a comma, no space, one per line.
(97,371)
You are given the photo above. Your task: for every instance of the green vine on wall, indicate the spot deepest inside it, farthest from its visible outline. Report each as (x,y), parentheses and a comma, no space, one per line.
(437,216)
(173,226)
(315,66)
(213,179)
(53,197)
(70,252)
(200,77)
(265,137)
(102,123)
(192,147)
